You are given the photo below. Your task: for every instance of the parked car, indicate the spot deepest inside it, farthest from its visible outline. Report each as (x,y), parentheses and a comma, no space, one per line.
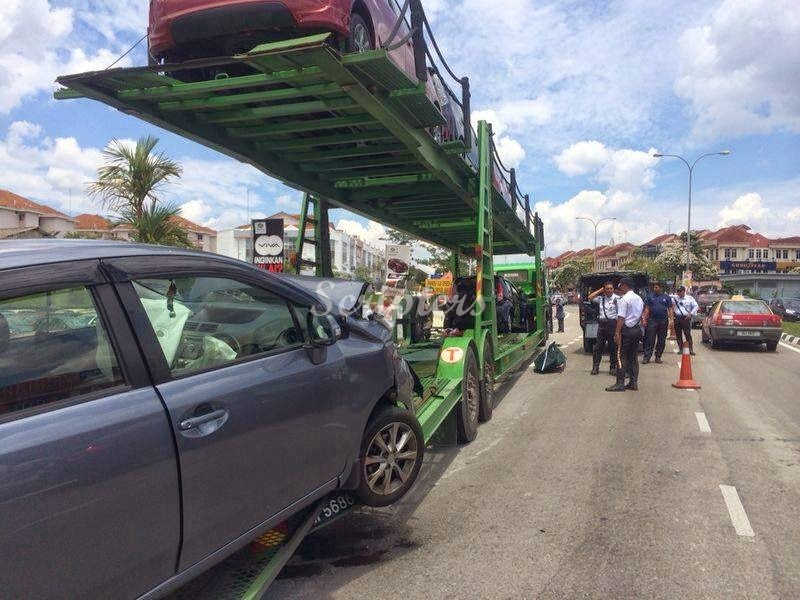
(190,404)
(513,313)
(741,320)
(787,308)
(705,301)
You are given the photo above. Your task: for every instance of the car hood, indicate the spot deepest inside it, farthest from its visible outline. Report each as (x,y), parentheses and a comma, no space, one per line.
(339,296)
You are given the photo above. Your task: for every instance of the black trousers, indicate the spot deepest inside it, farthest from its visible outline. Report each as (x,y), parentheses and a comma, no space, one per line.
(628,354)
(683,329)
(605,337)
(561,325)
(655,338)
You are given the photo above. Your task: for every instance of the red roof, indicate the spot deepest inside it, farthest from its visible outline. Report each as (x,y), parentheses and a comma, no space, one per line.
(759,241)
(662,239)
(92,223)
(736,234)
(193,227)
(790,241)
(16,202)
(616,249)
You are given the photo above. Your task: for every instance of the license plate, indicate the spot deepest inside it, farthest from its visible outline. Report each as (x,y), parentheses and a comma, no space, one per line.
(748,334)
(334,507)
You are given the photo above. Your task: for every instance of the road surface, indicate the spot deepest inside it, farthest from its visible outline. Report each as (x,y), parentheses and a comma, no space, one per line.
(571,492)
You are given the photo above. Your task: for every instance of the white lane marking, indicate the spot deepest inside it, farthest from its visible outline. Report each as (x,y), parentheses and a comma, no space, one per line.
(735,509)
(702,422)
(793,349)
(489,447)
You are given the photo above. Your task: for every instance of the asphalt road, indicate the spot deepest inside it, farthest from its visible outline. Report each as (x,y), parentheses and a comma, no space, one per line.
(571,492)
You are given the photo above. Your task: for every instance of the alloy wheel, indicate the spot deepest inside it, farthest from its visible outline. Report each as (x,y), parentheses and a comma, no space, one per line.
(390,458)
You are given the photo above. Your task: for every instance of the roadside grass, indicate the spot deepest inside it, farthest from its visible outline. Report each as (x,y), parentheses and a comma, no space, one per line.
(792,328)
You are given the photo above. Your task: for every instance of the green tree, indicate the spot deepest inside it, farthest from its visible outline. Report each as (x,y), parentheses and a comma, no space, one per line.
(155,225)
(132,176)
(654,269)
(673,260)
(568,274)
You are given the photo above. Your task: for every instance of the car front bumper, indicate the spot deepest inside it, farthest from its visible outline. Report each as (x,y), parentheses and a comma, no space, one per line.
(722,333)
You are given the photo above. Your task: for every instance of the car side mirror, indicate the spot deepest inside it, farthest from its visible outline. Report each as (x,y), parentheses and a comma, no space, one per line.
(324,330)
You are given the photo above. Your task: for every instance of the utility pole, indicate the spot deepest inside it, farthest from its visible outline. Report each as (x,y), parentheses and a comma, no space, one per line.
(691,167)
(596,223)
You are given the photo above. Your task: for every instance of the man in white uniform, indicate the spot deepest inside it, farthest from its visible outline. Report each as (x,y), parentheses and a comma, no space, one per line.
(685,307)
(627,337)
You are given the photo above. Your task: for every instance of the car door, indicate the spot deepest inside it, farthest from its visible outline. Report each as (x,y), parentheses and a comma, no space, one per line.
(259,426)
(89,498)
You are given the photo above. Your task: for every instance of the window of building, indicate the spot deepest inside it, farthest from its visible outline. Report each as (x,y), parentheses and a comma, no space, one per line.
(53,346)
(751,253)
(209,322)
(730,253)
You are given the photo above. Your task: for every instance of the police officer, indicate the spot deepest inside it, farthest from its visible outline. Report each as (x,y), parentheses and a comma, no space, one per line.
(560,315)
(627,336)
(657,313)
(606,301)
(684,307)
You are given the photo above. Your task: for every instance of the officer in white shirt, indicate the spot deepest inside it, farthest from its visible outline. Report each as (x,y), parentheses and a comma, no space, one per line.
(684,308)
(627,337)
(606,301)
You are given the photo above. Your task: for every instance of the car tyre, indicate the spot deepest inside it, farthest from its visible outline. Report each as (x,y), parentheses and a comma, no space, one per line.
(714,344)
(772,346)
(468,410)
(703,336)
(487,389)
(392,450)
(360,38)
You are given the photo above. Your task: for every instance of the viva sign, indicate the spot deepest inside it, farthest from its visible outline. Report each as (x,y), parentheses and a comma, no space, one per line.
(268,245)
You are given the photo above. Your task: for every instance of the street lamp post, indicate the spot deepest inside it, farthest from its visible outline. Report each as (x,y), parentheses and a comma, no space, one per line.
(691,177)
(596,224)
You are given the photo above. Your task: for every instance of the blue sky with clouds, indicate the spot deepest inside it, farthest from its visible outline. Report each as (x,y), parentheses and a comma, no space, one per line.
(580,94)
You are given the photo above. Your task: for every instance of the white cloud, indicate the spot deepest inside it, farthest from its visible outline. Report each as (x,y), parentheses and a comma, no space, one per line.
(627,171)
(794,214)
(739,72)
(289,202)
(748,209)
(510,151)
(372,232)
(35,49)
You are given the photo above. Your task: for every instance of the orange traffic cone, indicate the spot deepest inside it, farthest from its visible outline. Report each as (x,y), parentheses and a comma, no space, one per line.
(686,382)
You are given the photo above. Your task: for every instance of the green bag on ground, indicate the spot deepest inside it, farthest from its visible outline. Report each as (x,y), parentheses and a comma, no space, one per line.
(551,360)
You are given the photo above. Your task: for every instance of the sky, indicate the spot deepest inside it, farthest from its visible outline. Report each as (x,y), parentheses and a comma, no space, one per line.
(580,95)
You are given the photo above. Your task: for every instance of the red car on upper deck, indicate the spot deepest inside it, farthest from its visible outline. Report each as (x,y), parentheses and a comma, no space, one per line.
(185,29)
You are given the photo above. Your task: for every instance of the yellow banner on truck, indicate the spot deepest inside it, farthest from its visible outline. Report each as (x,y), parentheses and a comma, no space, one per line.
(439,286)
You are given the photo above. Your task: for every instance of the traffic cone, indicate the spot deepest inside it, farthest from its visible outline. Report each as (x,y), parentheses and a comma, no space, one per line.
(686,381)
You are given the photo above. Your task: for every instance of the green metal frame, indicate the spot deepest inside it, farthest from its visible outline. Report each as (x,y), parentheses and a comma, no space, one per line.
(314,212)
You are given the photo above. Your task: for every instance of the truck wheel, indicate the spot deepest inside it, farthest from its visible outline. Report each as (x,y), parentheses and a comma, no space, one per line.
(391,456)
(588,346)
(469,408)
(487,389)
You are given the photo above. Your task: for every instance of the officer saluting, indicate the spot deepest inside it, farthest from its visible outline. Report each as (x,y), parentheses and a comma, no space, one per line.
(627,337)
(606,301)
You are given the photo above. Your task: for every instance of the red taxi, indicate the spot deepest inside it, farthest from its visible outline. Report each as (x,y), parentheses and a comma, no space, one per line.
(741,320)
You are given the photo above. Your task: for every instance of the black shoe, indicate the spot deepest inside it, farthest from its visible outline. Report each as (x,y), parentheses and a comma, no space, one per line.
(595,370)
(632,386)
(619,387)
(645,361)
(658,360)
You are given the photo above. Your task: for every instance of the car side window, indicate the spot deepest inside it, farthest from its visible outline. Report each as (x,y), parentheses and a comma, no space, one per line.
(53,346)
(210,322)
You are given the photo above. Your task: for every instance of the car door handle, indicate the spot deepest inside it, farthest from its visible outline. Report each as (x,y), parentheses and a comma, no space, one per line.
(196,422)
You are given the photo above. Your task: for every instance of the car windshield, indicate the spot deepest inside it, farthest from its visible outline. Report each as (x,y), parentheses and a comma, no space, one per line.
(745,307)
(517,276)
(711,297)
(792,304)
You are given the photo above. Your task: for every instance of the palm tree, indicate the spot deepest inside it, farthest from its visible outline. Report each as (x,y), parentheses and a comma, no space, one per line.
(155,224)
(132,176)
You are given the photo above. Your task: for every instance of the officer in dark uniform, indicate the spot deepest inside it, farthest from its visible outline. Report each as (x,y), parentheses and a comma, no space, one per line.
(657,314)
(606,301)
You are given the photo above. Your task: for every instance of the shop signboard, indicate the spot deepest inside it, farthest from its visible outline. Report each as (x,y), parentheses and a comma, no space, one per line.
(268,251)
